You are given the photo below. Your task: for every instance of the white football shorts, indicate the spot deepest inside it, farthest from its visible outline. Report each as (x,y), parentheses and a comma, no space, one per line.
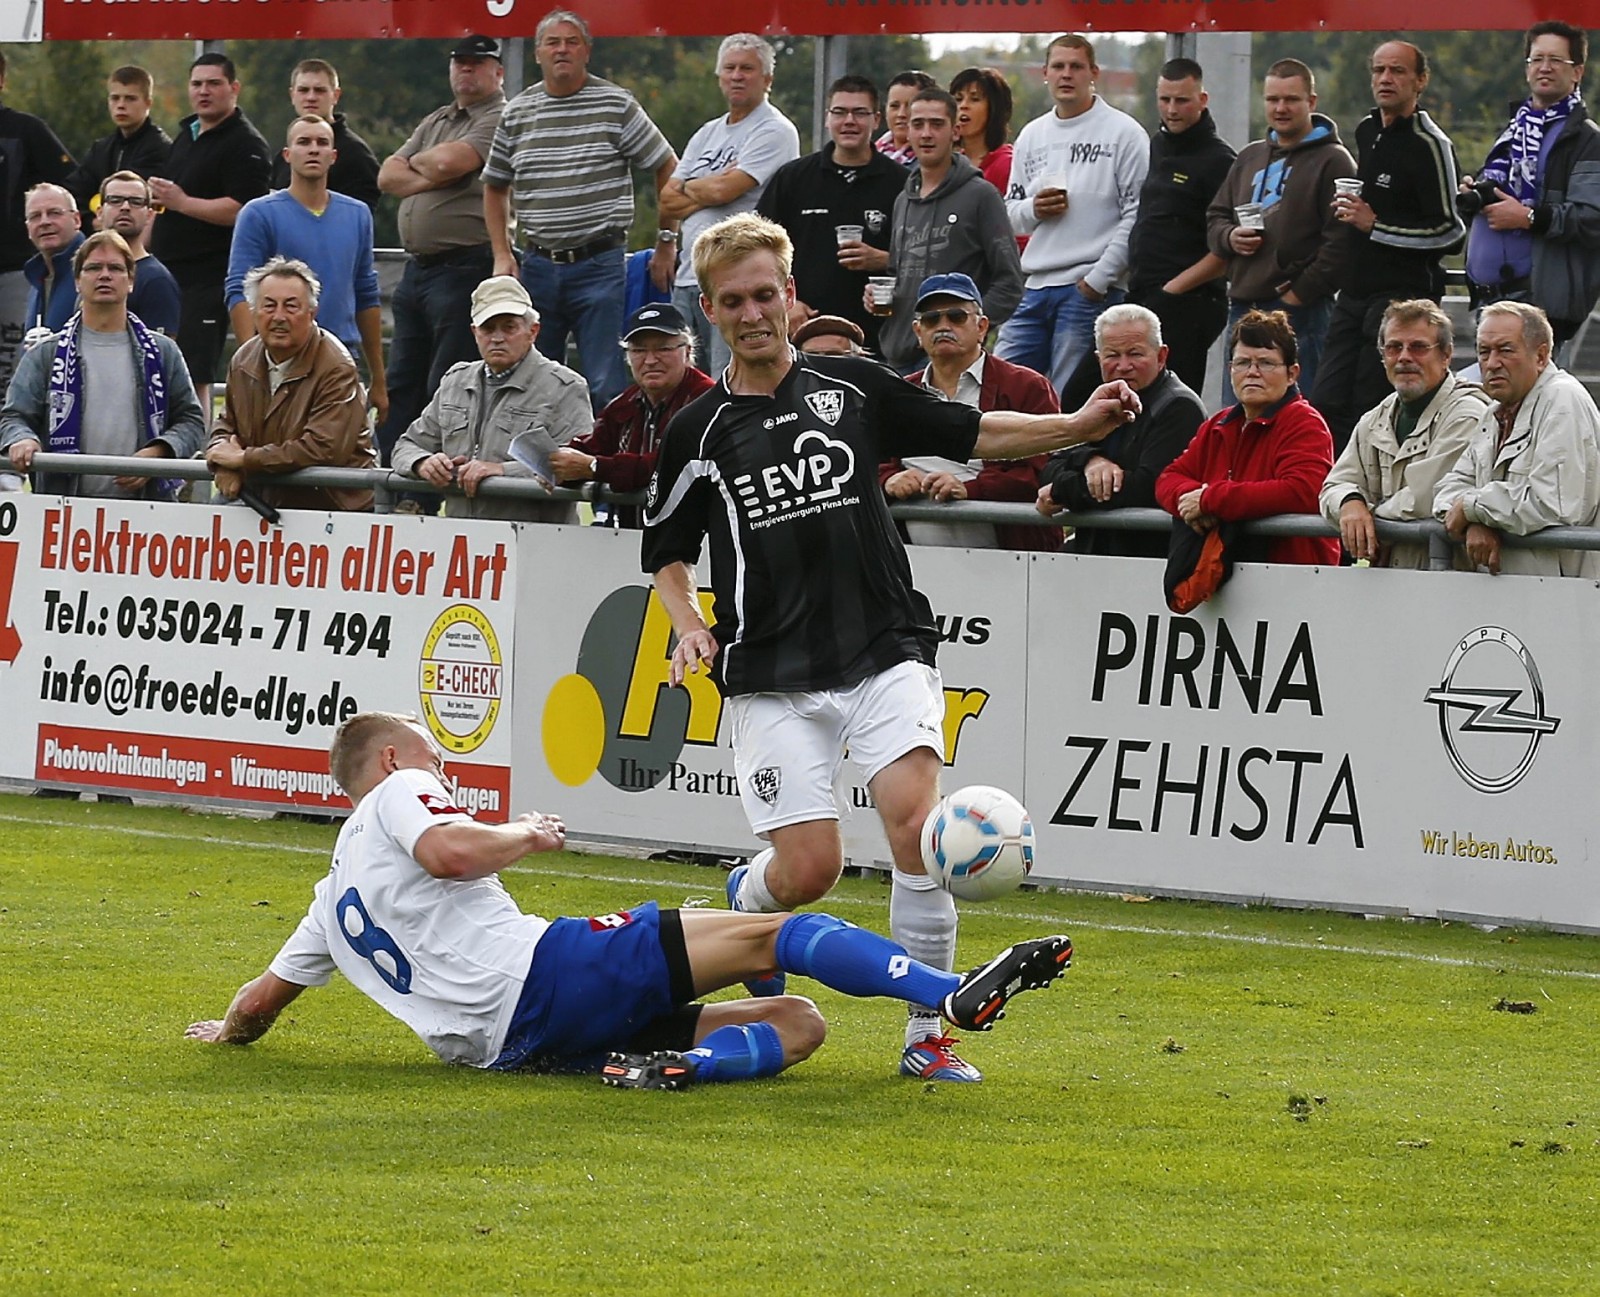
(788,747)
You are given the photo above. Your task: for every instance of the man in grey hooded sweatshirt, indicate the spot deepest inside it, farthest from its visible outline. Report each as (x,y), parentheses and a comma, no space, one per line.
(947,220)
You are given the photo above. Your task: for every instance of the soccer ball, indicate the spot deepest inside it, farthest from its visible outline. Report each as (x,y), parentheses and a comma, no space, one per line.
(977,843)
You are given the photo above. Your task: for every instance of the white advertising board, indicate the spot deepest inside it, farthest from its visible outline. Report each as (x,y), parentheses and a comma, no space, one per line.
(1420,742)
(200,653)
(623,756)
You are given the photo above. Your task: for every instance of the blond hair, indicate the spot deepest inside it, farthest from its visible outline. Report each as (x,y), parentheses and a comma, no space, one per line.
(735,239)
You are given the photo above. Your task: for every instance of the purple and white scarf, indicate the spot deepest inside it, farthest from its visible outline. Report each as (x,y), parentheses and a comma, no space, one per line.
(1513,161)
(65,406)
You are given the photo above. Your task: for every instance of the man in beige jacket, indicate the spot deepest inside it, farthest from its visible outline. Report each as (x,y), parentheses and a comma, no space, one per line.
(1534,460)
(1408,441)
(294,399)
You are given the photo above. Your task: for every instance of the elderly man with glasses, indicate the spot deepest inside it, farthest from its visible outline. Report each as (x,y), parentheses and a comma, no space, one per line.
(621,451)
(1403,446)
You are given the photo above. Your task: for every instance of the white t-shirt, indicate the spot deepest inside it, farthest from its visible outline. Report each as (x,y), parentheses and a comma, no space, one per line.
(758,145)
(446,957)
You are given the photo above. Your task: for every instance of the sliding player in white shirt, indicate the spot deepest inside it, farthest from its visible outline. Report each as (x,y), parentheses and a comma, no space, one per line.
(413,914)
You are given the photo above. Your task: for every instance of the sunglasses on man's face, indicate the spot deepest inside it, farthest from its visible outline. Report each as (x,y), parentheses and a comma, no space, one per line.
(957,315)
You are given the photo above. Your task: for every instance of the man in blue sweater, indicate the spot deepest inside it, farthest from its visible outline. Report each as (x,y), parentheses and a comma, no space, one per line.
(331,233)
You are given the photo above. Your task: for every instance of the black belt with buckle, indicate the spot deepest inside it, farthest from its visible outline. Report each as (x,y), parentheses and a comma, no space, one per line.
(453,256)
(567,256)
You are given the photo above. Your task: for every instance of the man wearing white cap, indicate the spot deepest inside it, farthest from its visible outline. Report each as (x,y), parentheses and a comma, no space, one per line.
(464,435)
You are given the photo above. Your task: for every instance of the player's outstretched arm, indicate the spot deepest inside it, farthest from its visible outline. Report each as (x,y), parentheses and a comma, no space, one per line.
(253,1011)
(1011,434)
(679,594)
(466,849)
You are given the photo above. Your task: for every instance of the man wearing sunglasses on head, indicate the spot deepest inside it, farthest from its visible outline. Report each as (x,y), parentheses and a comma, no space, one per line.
(1403,446)
(950,326)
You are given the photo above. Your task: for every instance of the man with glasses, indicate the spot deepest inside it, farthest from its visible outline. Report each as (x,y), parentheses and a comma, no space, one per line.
(104,385)
(1400,448)
(1535,204)
(464,436)
(835,203)
(951,326)
(620,452)
(125,208)
(1533,461)
(1402,220)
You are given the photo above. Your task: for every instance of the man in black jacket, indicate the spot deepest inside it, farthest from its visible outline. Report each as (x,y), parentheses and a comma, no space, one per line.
(1171,270)
(30,154)
(218,163)
(1120,472)
(1402,220)
(314,91)
(137,144)
(847,183)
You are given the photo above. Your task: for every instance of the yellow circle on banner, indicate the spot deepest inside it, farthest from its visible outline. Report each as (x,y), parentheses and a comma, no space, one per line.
(461,678)
(573,730)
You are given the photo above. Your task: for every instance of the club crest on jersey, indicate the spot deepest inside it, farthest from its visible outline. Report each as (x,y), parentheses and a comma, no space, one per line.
(827,406)
(766,782)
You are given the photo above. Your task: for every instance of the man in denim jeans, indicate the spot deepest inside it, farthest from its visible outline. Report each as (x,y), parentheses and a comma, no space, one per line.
(563,158)
(1075,181)
(435,176)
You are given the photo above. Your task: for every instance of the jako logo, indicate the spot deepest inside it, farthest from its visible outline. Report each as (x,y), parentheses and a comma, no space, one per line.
(618,715)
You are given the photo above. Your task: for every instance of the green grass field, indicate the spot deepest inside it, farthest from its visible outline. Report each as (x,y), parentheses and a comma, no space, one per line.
(1215,1100)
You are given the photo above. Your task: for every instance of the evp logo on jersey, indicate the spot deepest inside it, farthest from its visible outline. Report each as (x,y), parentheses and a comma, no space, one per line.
(812,480)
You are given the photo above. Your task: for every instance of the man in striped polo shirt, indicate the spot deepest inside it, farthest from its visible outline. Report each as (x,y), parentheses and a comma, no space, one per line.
(562,159)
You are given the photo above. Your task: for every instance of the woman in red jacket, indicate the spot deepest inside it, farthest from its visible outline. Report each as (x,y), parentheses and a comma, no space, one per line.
(1266,455)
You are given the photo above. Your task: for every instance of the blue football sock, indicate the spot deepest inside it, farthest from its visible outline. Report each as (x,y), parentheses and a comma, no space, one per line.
(858,962)
(738,1052)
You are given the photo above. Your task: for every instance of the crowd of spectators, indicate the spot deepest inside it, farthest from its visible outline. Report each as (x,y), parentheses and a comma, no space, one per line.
(1002,274)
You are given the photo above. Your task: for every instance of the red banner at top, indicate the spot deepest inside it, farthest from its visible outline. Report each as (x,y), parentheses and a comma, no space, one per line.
(447,19)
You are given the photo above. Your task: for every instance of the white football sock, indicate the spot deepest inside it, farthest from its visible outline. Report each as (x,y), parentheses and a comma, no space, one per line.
(922,918)
(753,896)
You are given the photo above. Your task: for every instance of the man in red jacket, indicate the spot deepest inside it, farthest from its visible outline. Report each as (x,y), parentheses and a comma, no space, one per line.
(621,451)
(950,326)
(1266,455)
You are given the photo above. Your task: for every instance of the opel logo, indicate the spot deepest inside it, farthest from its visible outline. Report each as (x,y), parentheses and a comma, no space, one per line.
(1489,741)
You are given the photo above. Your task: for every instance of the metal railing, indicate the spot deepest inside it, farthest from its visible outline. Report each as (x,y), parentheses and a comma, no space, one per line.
(1431,534)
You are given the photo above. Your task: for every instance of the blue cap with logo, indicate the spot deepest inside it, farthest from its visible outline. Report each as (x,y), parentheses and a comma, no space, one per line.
(654,317)
(949,286)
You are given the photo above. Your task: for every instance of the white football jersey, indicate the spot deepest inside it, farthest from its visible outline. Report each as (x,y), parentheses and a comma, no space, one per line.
(446,957)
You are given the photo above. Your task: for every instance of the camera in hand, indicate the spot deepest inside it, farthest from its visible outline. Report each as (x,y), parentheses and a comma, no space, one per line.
(1469,202)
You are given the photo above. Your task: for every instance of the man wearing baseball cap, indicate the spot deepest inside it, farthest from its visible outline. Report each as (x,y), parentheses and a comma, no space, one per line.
(434,174)
(950,326)
(620,453)
(464,435)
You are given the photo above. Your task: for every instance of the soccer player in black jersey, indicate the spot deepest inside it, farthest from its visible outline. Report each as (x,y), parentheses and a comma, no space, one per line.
(820,642)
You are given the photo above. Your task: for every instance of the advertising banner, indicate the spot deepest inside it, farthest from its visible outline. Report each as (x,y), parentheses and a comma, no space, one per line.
(201,653)
(1421,742)
(623,756)
(447,19)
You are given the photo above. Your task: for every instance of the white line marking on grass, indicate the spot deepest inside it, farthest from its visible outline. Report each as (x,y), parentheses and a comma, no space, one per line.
(836,900)
(162,833)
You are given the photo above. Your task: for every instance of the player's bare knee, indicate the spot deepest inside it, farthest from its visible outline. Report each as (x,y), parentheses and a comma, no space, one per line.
(804,877)
(800,1026)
